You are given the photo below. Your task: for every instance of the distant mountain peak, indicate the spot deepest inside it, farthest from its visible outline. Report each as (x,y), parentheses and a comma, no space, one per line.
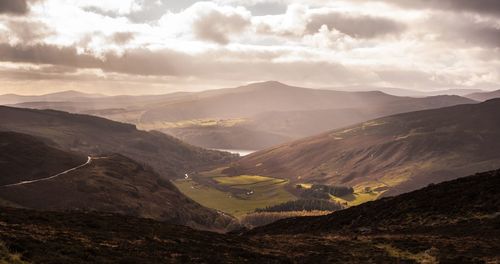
(268,85)
(73,93)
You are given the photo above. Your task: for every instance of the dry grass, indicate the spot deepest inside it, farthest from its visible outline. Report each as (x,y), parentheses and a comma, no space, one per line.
(6,257)
(263,218)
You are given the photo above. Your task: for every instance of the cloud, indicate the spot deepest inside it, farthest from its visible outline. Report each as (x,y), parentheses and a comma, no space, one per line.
(300,20)
(465,30)
(122,37)
(477,6)
(16,7)
(320,42)
(356,26)
(28,31)
(217,24)
(47,54)
(244,66)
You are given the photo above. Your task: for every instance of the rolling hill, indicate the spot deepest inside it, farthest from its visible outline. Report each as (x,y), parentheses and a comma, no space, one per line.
(390,155)
(32,178)
(452,222)
(458,202)
(254,116)
(53,97)
(91,135)
(484,96)
(30,163)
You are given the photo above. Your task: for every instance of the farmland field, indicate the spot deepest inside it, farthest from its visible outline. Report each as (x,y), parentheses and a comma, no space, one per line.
(236,195)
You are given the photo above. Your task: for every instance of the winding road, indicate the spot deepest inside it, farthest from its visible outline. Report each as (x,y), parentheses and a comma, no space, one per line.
(89,159)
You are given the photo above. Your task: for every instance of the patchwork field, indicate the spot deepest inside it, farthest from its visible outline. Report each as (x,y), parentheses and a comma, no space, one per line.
(241,195)
(236,195)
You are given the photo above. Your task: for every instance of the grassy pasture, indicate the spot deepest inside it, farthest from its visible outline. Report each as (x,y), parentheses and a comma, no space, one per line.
(237,195)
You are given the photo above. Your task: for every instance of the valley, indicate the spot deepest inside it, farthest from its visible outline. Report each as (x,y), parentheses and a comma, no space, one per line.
(110,183)
(255,116)
(263,131)
(237,195)
(351,190)
(451,222)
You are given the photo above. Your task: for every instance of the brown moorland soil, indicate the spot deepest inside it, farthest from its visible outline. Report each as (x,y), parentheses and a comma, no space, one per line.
(452,222)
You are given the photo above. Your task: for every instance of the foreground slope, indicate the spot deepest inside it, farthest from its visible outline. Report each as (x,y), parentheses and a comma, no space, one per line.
(449,206)
(111,183)
(452,222)
(390,155)
(93,135)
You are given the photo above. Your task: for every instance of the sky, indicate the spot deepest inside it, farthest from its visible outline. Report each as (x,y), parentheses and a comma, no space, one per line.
(161,46)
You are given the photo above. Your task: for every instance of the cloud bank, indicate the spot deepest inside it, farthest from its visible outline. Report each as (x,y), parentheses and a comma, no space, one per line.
(157,46)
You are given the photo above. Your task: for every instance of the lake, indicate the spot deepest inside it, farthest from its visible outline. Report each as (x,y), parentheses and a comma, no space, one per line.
(242,152)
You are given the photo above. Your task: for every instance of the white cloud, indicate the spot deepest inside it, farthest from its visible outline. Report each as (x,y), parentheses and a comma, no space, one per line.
(351,42)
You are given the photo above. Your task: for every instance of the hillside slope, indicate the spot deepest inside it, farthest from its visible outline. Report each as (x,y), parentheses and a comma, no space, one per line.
(279,109)
(253,116)
(431,209)
(484,96)
(111,183)
(453,222)
(170,157)
(53,97)
(390,155)
(33,161)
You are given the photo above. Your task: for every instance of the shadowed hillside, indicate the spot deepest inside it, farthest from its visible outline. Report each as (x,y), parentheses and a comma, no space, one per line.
(111,183)
(452,222)
(435,208)
(390,155)
(24,158)
(93,135)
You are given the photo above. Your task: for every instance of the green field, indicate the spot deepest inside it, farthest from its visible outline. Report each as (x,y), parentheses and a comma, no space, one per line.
(237,195)
(246,180)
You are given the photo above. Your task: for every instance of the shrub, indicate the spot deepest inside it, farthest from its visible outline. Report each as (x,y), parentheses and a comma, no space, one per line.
(303,205)
(7,257)
(321,191)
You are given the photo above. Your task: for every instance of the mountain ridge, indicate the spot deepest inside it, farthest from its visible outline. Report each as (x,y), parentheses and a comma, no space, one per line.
(110,183)
(397,153)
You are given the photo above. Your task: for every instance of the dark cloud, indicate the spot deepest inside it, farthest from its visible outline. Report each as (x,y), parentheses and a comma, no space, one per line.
(17,7)
(478,6)
(145,62)
(354,26)
(465,30)
(28,31)
(484,35)
(47,54)
(140,61)
(216,26)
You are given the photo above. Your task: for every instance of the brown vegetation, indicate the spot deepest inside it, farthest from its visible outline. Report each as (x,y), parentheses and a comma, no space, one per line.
(253,220)
(452,222)
(110,183)
(90,135)
(398,153)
